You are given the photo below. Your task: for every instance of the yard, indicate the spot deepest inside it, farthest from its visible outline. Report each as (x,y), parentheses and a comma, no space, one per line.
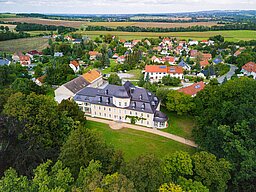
(134,143)
(24,44)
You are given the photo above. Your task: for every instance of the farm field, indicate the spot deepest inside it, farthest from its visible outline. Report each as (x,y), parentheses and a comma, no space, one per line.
(134,143)
(25,44)
(77,24)
(11,27)
(235,35)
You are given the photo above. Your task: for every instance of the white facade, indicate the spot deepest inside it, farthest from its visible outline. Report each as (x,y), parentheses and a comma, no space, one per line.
(157,76)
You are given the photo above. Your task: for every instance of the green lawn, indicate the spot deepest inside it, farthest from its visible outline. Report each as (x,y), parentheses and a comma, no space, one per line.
(35,33)
(234,35)
(181,125)
(24,44)
(134,143)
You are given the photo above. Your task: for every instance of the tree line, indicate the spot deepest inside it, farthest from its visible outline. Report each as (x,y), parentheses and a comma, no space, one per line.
(235,26)
(39,27)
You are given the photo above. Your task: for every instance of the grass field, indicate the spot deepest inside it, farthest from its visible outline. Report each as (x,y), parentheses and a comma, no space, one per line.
(78,24)
(235,35)
(134,143)
(35,33)
(25,44)
(180,125)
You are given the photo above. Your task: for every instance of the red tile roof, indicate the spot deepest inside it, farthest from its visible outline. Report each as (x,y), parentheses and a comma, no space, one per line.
(193,89)
(193,53)
(24,58)
(163,69)
(75,63)
(207,56)
(93,53)
(204,63)
(92,75)
(250,67)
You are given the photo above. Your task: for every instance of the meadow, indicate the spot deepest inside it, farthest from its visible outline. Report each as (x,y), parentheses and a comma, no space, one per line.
(25,44)
(134,143)
(235,35)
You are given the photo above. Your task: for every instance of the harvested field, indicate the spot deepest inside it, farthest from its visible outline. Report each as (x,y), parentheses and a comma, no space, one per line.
(24,45)
(77,24)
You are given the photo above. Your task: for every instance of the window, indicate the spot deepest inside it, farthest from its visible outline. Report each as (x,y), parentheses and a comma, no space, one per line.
(142,121)
(125,104)
(99,108)
(100,114)
(104,114)
(147,115)
(119,103)
(120,111)
(115,116)
(130,113)
(104,108)
(109,115)
(136,113)
(147,123)
(109,109)
(95,113)
(141,114)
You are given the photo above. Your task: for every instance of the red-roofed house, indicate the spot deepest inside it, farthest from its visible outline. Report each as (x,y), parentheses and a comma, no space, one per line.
(238,52)
(155,59)
(155,73)
(120,59)
(32,53)
(115,56)
(25,60)
(74,65)
(193,89)
(207,56)
(170,60)
(93,55)
(249,69)
(193,53)
(204,63)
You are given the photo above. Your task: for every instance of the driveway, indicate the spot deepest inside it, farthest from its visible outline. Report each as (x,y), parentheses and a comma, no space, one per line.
(229,74)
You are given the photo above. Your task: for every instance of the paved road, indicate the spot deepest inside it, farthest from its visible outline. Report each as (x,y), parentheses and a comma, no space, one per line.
(117,125)
(229,74)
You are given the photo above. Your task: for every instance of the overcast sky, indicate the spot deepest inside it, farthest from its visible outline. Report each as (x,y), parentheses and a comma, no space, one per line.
(122,6)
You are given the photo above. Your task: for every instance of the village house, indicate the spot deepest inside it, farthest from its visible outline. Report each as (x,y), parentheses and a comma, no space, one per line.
(191,43)
(184,65)
(193,53)
(192,90)
(128,45)
(74,65)
(125,103)
(155,73)
(33,53)
(249,69)
(25,60)
(93,55)
(58,54)
(40,80)
(4,61)
(68,90)
(120,59)
(204,63)
(115,56)
(206,56)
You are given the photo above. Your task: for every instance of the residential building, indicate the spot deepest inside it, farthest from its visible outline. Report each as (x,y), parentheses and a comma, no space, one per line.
(93,55)
(192,90)
(122,104)
(191,43)
(4,62)
(193,53)
(120,59)
(184,65)
(25,60)
(33,53)
(249,69)
(115,56)
(58,54)
(155,73)
(206,56)
(40,80)
(92,78)
(204,63)
(128,44)
(74,65)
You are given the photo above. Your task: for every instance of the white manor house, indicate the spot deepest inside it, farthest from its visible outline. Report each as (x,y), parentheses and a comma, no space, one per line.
(125,103)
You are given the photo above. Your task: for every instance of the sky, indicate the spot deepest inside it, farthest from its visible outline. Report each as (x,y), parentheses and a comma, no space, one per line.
(122,6)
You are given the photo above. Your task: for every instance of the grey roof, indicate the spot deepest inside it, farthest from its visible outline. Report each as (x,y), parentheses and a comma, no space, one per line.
(182,64)
(4,62)
(76,84)
(160,117)
(141,99)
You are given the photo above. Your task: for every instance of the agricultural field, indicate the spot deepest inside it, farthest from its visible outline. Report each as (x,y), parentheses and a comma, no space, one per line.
(134,143)
(235,35)
(78,24)
(25,44)
(11,27)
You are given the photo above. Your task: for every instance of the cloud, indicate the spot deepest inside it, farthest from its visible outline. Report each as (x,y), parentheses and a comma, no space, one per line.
(121,6)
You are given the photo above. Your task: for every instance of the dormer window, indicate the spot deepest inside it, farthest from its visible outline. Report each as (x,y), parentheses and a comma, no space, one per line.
(108,101)
(143,107)
(141,97)
(99,99)
(133,105)
(106,92)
